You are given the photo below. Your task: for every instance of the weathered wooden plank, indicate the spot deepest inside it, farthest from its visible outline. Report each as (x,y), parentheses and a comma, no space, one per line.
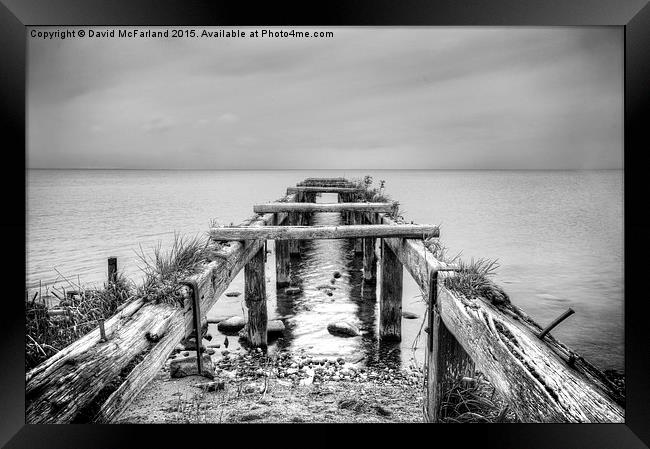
(41,372)
(401,231)
(65,393)
(144,371)
(531,374)
(318,189)
(255,297)
(322,207)
(539,386)
(390,298)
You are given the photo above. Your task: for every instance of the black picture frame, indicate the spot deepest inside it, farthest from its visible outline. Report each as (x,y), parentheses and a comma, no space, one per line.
(633,15)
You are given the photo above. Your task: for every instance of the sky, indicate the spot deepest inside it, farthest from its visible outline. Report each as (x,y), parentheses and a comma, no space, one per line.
(366,98)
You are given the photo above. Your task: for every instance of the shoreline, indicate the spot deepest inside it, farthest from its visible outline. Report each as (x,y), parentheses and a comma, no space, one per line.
(290,387)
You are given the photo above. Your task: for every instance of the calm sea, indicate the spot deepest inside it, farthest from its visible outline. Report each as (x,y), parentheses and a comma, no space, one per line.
(558,237)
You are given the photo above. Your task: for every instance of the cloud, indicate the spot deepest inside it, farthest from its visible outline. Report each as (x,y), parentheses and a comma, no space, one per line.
(381,98)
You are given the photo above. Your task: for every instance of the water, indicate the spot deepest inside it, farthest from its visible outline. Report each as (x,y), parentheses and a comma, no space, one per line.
(558,236)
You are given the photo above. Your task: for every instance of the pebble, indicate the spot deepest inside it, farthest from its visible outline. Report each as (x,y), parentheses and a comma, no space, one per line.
(336,274)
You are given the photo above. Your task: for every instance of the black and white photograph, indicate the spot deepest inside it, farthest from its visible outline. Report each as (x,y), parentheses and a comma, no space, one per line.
(309,224)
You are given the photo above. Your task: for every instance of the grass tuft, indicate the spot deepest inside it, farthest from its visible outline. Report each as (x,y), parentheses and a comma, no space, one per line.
(164,270)
(369,193)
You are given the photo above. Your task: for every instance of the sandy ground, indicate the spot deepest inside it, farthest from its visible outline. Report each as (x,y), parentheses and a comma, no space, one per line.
(271,399)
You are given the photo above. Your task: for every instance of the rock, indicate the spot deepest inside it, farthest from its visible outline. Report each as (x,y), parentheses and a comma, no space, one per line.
(342,329)
(208,337)
(186,366)
(297,419)
(328,292)
(232,324)
(233,294)
(332,280)
(336,275)
(383,411)
(274,329)
(212,386)
(410,315)
(325,287)
(250,417)
(292,291)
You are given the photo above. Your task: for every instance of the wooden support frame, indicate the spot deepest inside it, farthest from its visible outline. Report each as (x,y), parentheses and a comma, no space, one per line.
(400,231)
(311,207)
(314,189)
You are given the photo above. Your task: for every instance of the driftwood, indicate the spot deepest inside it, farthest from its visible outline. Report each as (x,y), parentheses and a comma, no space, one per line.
(536,379)
(322,207)
(65,387)
(323,232)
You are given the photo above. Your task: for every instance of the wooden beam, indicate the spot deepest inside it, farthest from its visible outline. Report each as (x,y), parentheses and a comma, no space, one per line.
(315,189)
(322,207)
(255,297)
(390,299)
(399,231)
(535,377)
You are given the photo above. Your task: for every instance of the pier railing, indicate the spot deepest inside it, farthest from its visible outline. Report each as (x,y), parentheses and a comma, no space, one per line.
(541,379)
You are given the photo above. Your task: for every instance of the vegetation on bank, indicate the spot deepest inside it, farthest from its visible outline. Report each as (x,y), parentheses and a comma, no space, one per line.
(79,310)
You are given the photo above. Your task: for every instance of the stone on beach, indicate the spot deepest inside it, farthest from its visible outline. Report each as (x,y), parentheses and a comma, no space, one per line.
(233,294)
(232,324)
(343,329)
(410,315)
(186,366)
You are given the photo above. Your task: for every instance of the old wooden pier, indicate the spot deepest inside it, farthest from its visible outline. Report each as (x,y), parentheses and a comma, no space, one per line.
(541,379)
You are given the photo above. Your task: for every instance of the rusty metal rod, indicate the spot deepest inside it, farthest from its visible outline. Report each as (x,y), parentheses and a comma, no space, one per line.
(557,321)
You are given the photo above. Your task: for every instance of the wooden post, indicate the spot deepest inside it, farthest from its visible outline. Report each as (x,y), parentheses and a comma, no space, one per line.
(294,245)
(447,361)
(358,243)
(282,258)
(112,269)
(390,300)
(282,263)
(255,297)
(369,259)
